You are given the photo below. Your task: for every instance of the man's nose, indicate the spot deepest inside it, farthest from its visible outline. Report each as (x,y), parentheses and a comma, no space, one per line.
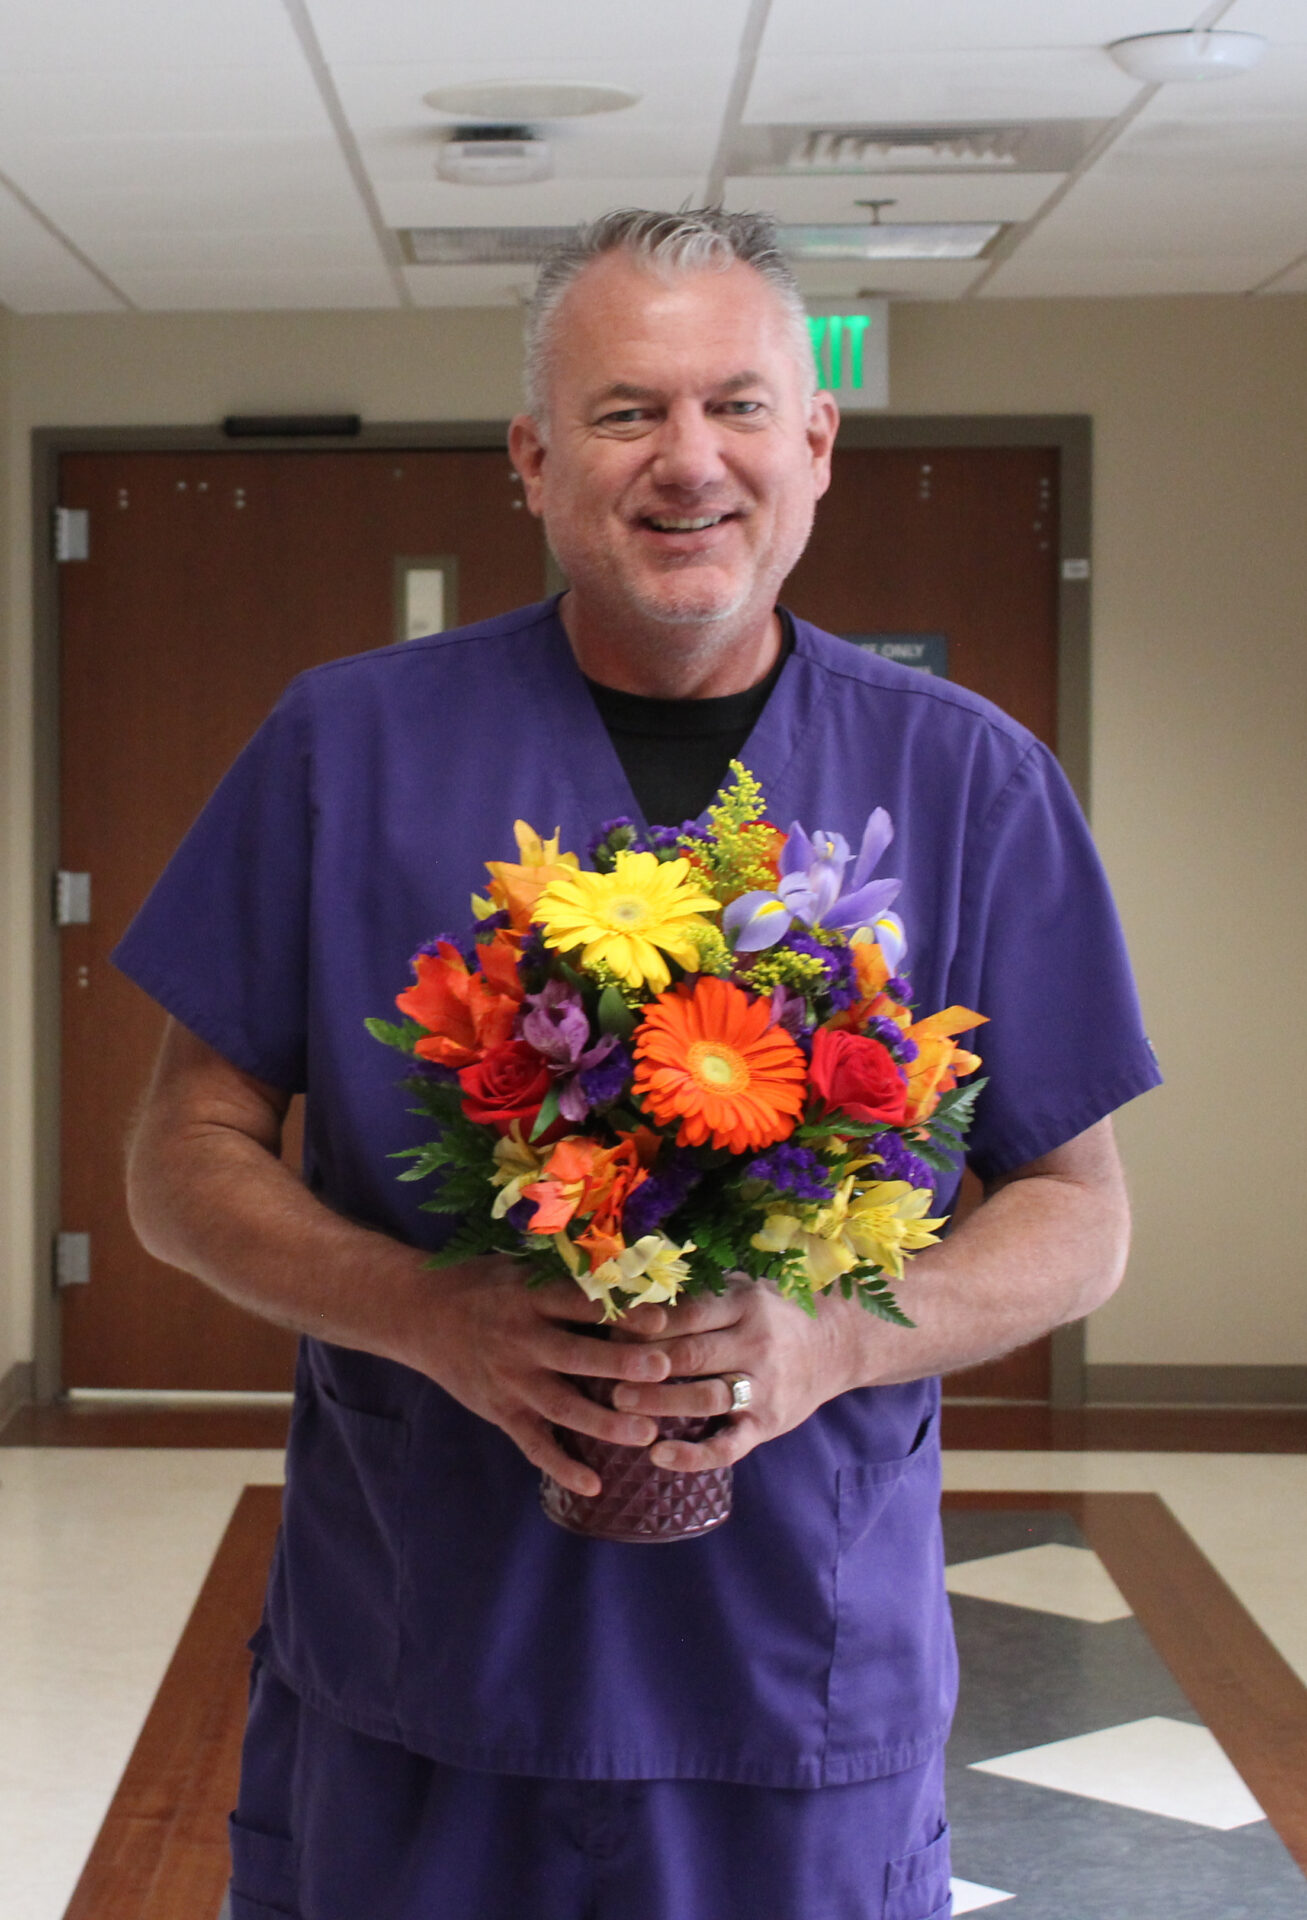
(689,453)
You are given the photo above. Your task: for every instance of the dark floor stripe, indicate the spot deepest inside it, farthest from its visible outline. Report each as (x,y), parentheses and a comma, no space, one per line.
(162,1851)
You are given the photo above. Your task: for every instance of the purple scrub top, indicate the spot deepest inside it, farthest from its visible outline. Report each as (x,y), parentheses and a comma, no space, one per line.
(417,1593)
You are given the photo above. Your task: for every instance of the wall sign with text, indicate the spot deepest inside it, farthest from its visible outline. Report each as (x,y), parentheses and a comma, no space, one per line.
(850,347)
(928,652)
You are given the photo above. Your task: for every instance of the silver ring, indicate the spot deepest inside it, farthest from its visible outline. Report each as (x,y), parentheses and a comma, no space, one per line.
(741,1390)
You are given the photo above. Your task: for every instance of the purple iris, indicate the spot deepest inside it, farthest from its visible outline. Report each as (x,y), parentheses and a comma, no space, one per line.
(556,1026)
(812,889)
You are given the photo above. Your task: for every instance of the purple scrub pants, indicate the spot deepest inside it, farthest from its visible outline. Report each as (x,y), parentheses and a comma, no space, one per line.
(333,1825)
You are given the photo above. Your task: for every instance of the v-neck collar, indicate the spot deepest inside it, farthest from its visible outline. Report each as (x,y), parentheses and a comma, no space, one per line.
(588,764)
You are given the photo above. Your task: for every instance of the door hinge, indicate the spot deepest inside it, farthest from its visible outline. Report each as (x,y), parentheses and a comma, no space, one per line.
(72,899)
(71,534)
(72,1260)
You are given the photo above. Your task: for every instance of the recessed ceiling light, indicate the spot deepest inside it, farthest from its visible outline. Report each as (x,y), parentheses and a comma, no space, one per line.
(892,240)
(529,99)
(1200,54)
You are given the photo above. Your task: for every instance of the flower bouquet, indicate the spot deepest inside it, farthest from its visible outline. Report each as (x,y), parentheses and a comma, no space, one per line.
(694,1062)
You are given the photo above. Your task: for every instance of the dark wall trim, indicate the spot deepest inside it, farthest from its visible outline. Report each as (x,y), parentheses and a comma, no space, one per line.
(1070,433)
(1144,1386)
(16,1388)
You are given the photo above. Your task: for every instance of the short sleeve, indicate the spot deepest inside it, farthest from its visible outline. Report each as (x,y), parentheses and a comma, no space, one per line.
(222,939)
(1044,957)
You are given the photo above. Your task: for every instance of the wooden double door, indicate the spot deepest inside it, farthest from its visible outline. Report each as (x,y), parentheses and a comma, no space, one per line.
(213,577)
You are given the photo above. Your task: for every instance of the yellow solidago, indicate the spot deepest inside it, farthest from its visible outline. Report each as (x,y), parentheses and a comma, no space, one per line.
(741,856)
(782,967)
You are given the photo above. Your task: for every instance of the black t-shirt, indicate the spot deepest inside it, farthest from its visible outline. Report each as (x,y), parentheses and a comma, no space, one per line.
(675,752)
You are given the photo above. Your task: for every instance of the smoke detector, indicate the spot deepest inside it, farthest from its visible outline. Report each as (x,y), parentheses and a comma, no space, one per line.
(494,156)
(1199,54)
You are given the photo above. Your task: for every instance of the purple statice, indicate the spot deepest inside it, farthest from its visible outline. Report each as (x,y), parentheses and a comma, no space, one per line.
(841,985)
(465,943)
(520,1215)
(892,1037)
(897,1162)
(899,989)
(792,1169)
(660,1195)
(619,835)
(608,1079)
(667,840)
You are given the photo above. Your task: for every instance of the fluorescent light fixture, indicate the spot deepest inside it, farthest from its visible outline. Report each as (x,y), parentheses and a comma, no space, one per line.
(529,99)
(1199,54)
(892,240)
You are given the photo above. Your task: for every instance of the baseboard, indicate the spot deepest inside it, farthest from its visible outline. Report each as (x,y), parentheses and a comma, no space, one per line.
(1145,1386)
(17,1388)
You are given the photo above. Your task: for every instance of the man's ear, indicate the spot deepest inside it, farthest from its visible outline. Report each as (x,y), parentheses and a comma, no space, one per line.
(823,425)
(526,450)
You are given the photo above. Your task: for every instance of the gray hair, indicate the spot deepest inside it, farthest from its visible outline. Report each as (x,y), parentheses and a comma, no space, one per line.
(701,239)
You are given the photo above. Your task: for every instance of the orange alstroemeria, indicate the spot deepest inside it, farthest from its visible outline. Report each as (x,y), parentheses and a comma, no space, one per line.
(940,1061)
(465,1013)
(515,886)
(582,1177)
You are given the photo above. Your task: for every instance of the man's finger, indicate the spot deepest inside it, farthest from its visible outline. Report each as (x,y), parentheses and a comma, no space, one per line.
(536,1440)
(739,1437)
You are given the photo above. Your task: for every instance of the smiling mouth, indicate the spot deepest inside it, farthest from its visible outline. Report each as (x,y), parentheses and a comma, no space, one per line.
(683,523)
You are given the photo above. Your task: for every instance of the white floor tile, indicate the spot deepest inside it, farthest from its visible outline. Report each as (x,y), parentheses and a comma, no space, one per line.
(968,1897)
(1070,1581)
(1155,1766)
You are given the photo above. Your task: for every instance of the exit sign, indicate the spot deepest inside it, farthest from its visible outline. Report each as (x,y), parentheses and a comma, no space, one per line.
(850,349)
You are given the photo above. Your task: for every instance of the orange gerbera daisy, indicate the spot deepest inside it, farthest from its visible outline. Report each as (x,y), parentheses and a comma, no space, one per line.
(708,1056)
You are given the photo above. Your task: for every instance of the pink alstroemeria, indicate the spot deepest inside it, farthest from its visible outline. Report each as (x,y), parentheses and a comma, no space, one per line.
(812,890)
(555,1024)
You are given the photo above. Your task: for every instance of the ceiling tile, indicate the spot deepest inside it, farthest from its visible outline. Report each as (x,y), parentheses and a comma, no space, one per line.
(914,196)
(514,35)
(189,288)
(911,279)
(469,286)
(890,26)
(285,248)
(211,183)
(1284,22)
(868,88)
(546,203)
(38,274)
(136,33)
(1294,282)
(151,101)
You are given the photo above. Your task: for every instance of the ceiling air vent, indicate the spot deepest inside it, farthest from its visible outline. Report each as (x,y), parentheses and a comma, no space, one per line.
(480,246)
(1035,146)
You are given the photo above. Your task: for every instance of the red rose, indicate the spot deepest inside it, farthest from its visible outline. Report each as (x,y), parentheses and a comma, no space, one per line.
(509,1083)
(855,1074)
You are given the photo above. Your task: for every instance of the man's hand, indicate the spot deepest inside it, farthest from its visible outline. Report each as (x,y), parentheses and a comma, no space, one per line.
(794,1365)
(505,1350)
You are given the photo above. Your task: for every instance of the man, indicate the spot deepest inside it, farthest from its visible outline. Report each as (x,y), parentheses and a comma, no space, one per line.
(458,1709)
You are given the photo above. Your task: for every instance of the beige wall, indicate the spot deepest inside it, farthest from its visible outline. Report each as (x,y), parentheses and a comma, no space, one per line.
(1200,578)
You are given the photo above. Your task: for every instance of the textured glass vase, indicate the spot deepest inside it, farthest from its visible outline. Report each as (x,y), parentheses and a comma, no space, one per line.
(639,1502)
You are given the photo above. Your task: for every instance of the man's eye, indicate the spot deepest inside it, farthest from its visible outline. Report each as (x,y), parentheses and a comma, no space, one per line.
(623,417)
(741,409)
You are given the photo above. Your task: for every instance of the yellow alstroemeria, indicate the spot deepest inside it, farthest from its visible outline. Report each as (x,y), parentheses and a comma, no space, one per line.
(517,1165)
(880,1223)
(652,1272)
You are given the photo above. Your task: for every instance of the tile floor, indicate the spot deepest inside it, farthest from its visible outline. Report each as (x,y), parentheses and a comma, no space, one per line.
(1066,1786)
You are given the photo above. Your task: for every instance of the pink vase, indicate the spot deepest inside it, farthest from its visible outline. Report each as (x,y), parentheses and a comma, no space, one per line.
(639,1501)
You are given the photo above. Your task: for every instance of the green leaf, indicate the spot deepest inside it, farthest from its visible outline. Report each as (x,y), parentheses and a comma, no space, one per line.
(547,1115)
(402,1034)
(614,1014)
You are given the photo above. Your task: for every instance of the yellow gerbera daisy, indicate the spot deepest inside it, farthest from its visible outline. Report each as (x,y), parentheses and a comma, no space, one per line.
(627,919)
